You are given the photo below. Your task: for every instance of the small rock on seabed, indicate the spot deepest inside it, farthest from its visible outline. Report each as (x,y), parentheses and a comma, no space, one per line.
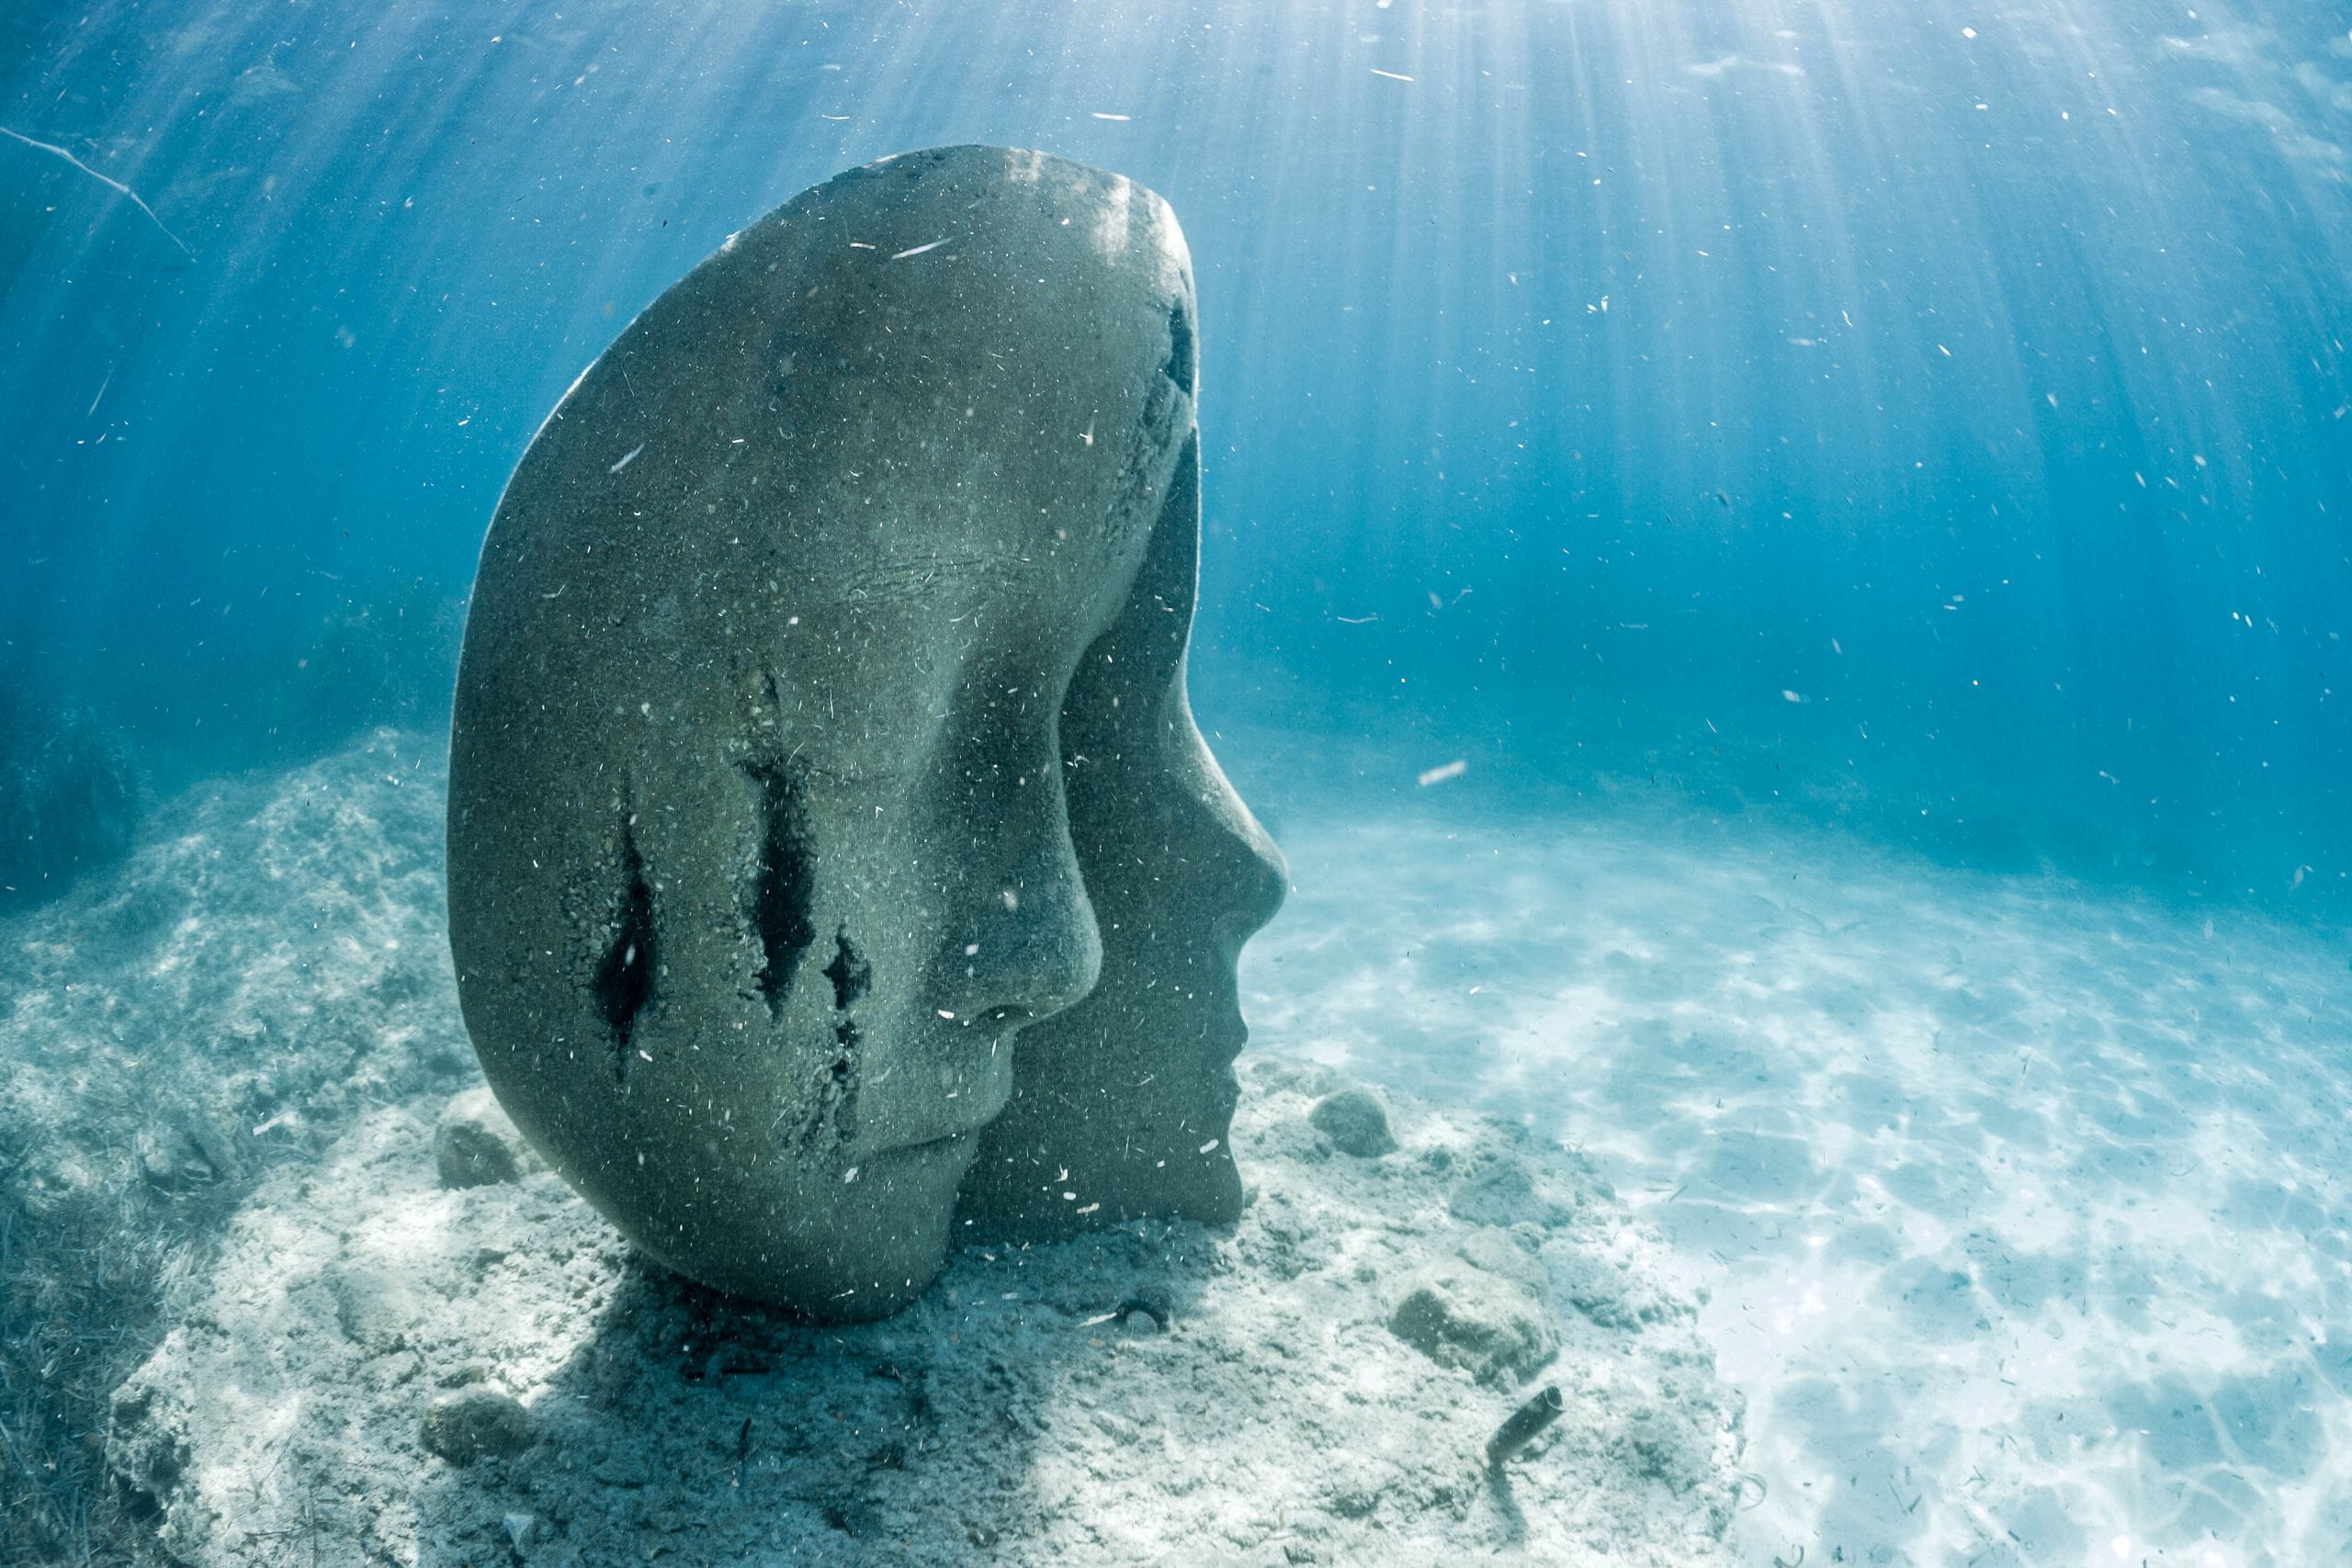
(384,1368)
(476,1143)
(1355,1121)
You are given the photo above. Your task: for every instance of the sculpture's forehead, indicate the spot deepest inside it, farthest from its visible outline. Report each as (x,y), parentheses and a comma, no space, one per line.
(917,551)
(1023,219)
(968,352)
(955,384)
(1059,594)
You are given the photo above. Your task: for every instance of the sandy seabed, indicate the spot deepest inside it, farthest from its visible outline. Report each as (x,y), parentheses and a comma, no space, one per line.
(1161,1393)
(2022,1205)
(2011,1210)
(249,1035)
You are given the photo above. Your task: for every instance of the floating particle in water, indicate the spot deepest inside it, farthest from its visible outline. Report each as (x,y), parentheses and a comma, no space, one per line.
(126,192)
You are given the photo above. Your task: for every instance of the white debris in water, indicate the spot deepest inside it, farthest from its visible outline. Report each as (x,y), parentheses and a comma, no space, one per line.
(128,194)
(626,459)
(1443,770)
(918,250)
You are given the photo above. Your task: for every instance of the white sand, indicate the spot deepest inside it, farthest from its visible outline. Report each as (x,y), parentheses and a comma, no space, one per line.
(1282,1417)
(2023,1204)
(268,966)
(1010,1415)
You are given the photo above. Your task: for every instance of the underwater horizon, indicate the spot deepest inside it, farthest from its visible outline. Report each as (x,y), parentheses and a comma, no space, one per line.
(1943,434)
(1777,569)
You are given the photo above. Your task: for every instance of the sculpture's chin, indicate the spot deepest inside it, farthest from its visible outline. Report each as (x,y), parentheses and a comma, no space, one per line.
(871,1246)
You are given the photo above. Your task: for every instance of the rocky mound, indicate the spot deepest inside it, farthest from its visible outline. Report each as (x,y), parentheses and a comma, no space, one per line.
(266,967)
(399,1357)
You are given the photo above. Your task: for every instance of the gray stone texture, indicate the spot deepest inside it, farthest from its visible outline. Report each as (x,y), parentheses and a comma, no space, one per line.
(476,1143)
(1355,1121)
(475,1423)
(1485,1310)
(825,809)
(1505,1193)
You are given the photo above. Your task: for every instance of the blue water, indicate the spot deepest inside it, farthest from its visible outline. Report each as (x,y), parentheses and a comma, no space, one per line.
(1930,416)
(1808,460)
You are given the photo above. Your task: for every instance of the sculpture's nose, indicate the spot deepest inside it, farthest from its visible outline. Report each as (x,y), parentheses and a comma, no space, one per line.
(1022,939)
(1030,950)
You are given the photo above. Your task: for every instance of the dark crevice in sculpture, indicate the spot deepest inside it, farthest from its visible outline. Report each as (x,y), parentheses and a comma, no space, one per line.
(782,887)
(624,981)
(851,976)
(1179,367)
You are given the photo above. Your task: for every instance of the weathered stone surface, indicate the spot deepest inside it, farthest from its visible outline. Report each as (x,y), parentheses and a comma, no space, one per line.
(476,1143)
(1504,1193)
(1483,1310)
(820,729)
(375,1305)
(193,1153)
(1355,1121)
(475,1423)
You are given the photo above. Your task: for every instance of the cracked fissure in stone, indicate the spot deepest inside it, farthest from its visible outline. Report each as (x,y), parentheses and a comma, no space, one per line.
(782,885)
(851,976)
(1179,367)
(624,981)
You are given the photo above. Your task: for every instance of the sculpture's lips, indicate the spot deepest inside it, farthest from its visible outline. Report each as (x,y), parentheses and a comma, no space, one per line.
(982,1086)
(923,1135)
(1227,1037)
(943,1139)
(926,1152)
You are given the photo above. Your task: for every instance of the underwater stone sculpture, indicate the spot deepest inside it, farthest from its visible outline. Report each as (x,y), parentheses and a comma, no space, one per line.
(825,810)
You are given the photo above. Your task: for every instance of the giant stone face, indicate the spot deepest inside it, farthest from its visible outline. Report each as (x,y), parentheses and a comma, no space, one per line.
(833,856)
